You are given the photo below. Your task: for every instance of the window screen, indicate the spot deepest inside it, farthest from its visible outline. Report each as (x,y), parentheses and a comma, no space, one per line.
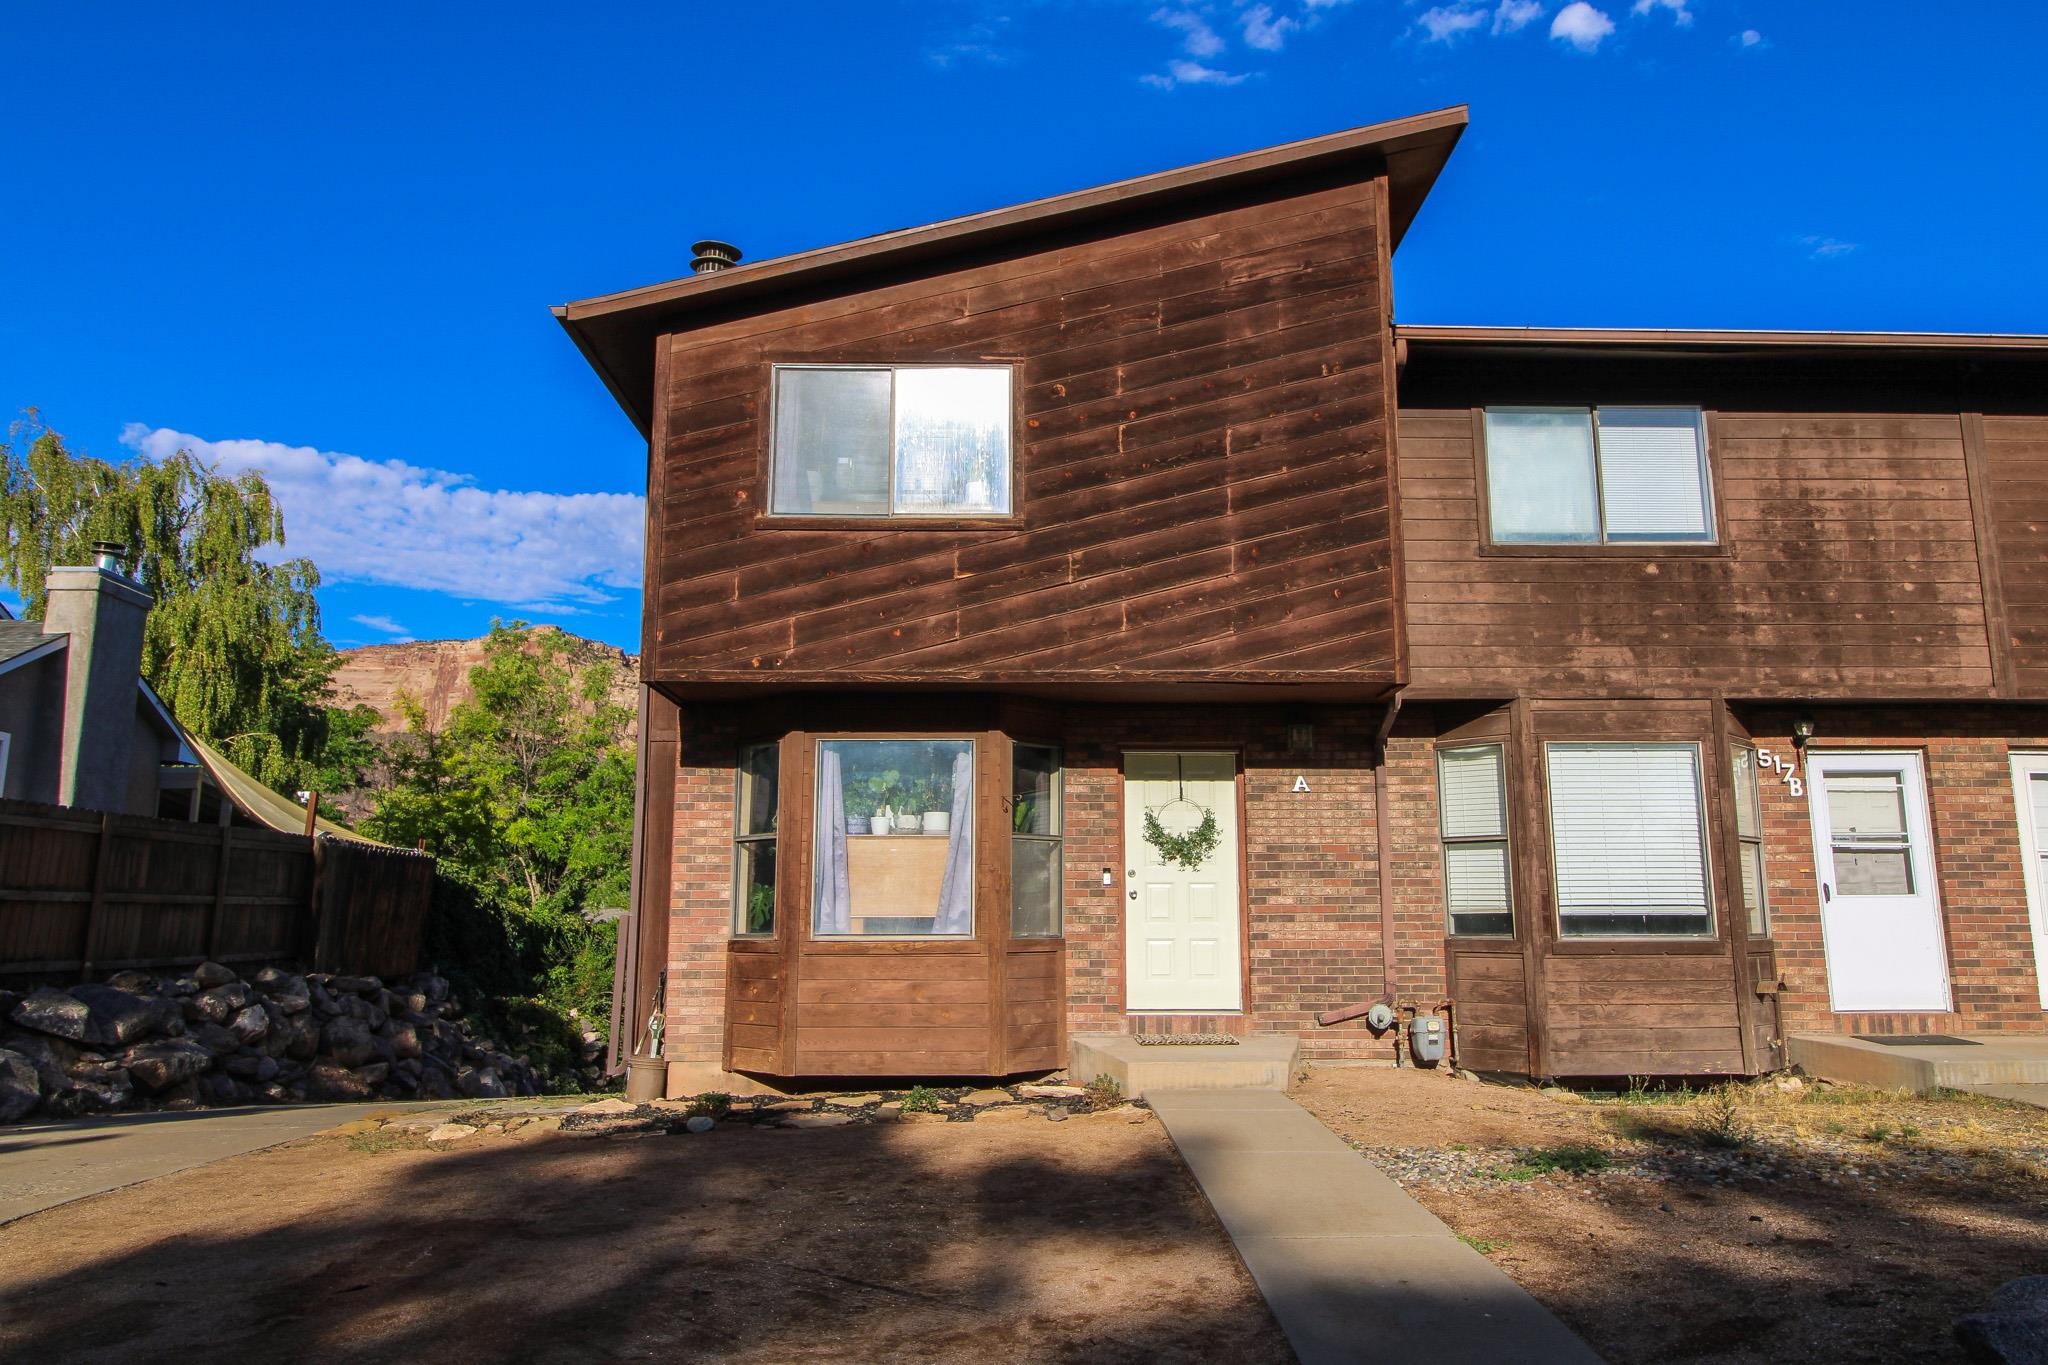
(1867,828)
(1034,841)
(1749,833)
(1472,798)
(754,820)
(1563,476)
(879,441)
(1628,842)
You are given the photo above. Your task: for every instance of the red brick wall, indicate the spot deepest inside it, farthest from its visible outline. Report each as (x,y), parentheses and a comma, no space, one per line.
(1311,898)
(1977,855)
(700,897)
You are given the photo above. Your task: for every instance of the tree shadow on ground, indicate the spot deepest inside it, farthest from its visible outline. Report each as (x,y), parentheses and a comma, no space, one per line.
(875,1242)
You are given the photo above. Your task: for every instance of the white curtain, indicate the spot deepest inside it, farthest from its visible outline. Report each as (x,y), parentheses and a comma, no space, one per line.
(956,891)
(833,912)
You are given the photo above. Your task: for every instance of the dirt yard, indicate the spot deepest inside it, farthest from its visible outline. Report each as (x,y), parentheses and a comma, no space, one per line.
(1003,1238)
(1748,1224)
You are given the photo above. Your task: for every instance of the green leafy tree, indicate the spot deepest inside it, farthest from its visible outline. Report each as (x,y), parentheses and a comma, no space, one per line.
(526,797)
(233,644)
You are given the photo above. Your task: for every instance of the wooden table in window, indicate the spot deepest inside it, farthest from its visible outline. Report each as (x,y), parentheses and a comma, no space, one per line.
(895,876)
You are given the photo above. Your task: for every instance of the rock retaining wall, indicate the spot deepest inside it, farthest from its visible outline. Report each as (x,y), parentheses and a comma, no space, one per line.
(212,1038)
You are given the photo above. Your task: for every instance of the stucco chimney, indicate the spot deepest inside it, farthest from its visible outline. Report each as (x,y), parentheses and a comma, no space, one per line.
(103,611)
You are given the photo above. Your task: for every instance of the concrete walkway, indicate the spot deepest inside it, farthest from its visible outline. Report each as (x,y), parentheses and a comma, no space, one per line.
(43,1165)
(1353,1269)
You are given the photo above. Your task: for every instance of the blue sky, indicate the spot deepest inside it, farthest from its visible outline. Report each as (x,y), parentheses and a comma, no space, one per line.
(324,243)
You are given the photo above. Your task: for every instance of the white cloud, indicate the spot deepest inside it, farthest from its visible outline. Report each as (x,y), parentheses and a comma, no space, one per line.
(1195,35)
(384,625)
(1263,31)
(1515,15)
(1581,25)
(1446,22)
(1826,248)
(1749,37)
(393,523)
(1192,73)
(1677,7)
(1324,4)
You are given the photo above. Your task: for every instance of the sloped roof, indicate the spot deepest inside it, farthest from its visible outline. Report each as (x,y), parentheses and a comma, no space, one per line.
(20,639)
(616,331)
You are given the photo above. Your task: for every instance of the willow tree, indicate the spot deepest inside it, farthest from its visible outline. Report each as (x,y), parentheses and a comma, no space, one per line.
(233,644)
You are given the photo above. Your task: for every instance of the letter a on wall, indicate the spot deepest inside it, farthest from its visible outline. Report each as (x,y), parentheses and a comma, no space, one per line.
(1301,784)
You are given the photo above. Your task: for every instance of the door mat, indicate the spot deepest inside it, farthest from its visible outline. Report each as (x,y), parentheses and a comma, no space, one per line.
(1183,1039)
(1916,1040)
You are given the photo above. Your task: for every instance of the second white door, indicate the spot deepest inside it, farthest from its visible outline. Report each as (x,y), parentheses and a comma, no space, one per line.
(1181,923)
(1880,913)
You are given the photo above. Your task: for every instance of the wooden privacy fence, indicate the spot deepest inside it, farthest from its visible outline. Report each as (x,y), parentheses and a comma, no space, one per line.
(83,892)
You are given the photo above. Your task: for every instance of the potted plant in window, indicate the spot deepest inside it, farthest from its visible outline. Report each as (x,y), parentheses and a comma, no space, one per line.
(911,795)
(936,802)
(880,792)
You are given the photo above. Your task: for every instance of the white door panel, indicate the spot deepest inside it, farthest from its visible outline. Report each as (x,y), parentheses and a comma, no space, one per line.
(1181,924)
(1874,858)
(2030,799)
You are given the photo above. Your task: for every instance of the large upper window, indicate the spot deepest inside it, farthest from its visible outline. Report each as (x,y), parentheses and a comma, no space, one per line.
(1589,476)
(1628,840)
(1472,796)
(895,838)
(891,441)
(1034,841)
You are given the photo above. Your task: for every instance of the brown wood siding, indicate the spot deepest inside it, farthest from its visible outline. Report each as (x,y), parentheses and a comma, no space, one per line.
(893,1009)
(1491,991)
(2015,459)
(1848,567)
(1201,488)
(1642,1013)
(1034,1006)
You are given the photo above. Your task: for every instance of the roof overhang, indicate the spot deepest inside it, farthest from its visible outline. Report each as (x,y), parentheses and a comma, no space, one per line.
(1680,341)
(53,644)
(616,332)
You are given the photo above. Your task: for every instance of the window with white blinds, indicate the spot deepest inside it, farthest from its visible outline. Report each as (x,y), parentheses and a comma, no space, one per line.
(1472,798)
(1579,475)
(1628,840)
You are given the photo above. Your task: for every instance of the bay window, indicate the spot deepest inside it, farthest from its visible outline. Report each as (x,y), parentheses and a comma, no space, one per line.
(1628,840)
(1035,841)
(1588,476)
(753,843)
(1472,803)
(891,441)
(894,845)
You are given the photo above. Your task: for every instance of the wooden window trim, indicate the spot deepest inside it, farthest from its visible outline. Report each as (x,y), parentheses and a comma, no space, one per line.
(1505,839)
(1712,941)
(740,838)
(766,518)
(977,940)
(1715,548)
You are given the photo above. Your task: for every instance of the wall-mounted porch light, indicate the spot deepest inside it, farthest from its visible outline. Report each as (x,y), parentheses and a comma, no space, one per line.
(1802,730)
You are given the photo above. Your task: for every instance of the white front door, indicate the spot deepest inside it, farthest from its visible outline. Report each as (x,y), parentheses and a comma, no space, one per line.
(1180,922)
(1880,913)
(2030,795)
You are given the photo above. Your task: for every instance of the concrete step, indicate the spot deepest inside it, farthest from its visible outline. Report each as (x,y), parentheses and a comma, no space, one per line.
(1258,1062)
(2008,1060)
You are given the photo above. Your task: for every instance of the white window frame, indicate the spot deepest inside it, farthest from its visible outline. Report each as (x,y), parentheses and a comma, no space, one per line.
(893,512)
(2025,765)
(1702,824)
(1710,537)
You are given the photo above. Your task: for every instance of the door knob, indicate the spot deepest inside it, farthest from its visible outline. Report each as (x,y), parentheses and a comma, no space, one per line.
(1134,895)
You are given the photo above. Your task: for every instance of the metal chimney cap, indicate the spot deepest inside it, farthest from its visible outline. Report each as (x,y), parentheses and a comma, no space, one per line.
(108,554)
(711,254)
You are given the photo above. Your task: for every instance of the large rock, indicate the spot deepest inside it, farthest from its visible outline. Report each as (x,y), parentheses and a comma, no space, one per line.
(357,985)
(483,1083)
(212,974)
(55,1013)
(405,1041)
(2013,1328)
(223,1003)
(287,991)
(251,1025)
(347,1042)
(20,1087)
(325,1081)
(164,1065)
(120,1017)
(216,1039)
(53,1058)
(304,1042)
(252,1066)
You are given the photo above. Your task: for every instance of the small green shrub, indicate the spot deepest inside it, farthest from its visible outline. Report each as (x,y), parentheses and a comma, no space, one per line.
(1572,1159)
(712,1104)
(921,1100)
(1485,1246)
(1876,1132)
(1719,1121)
(1104,1092)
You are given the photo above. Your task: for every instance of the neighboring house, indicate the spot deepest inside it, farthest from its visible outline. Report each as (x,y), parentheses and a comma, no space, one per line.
(79,726)
(1099,616)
